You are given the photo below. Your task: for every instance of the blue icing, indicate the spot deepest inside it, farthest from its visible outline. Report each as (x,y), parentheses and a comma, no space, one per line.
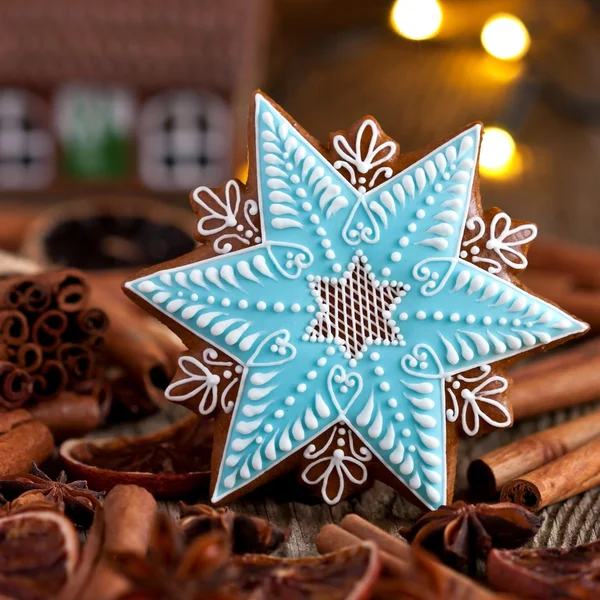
(273,308)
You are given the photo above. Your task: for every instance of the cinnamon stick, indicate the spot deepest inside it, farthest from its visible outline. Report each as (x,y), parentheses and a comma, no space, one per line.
(489,473)
(574,473)
(16,386)
(14,329)
(129,513)
(557,381)
(50,381)
(72,415)
(29,357)
(23,441)
(131,345)
(582,262)
(71,289)
(48,329)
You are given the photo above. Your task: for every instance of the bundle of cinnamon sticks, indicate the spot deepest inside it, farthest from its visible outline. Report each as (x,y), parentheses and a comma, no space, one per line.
(557,463)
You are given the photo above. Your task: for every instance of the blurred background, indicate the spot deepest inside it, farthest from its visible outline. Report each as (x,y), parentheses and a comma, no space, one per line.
(112,111)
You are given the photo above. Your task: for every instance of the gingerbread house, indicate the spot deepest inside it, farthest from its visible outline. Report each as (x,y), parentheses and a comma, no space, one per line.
(125,95)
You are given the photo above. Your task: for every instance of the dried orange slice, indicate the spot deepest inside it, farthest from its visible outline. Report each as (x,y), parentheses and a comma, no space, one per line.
(38,554)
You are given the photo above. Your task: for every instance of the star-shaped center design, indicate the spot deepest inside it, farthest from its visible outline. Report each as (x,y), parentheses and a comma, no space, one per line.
(355,311)
(296,305)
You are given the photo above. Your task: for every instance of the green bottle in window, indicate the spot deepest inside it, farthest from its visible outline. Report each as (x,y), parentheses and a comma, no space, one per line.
(94,125)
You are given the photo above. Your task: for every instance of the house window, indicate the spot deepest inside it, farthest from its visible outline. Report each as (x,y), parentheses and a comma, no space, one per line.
(184,141)
(94,124)
(26,147)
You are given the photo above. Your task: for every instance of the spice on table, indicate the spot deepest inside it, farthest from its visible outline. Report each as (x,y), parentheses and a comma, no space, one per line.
(461,533)
(245,533)
(128,515)
(566,378)
(571,474)
(23,441)
(169,463)
(490,472)
(206,568)
(40,557)
(79,501)
(401,565)
(541,573)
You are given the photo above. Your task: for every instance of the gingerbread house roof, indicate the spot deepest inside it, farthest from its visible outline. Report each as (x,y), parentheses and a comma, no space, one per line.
(148,44)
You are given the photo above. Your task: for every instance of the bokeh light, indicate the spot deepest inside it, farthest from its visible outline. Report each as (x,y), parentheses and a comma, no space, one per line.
(505,37)
(416,19)
(498,152)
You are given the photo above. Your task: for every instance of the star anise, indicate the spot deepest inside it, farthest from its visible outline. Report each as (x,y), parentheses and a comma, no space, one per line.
(79,502)
(245,533)
(461,533)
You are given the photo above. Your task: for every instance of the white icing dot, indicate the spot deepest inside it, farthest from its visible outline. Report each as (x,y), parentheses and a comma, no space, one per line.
(456,384)
(295,307)
(411,448)
(211,299)
(403,241)
(310,277)
(314,219)
(268,428)
(406,432)
(243,304)
(384,386)
(421,314)
(438,315)
(289,401)
(422,365)
(375,356)
(474,250)
(337,267)
(310,308)
(342,431)
(352,362)
(420,213)
(341,442)
(194,297)
(429,200)
(454,317)
(403,316)
(330,350)
(437,187)
(396,256)
(278,307)
(516,322)
(260,305)
(257,239)
(398,416)
(330,254)
(379,371)
(386,272)
(305,337)
(278,414)
(239,369)
(446,176)
(301,387)
(463,254)
(392,403)
(240,228)
(321,231)
(412,227)
(311,375)
(322,361)
(470,319)
(501,321)
(306,206)
(259,439)
(362,180)
(225,302)
(487,320)
(326,243)
(294,178)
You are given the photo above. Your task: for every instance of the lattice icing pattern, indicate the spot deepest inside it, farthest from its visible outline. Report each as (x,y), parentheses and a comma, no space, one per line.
(353,311)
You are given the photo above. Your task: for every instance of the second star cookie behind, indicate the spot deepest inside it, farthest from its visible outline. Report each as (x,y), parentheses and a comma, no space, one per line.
(352,309)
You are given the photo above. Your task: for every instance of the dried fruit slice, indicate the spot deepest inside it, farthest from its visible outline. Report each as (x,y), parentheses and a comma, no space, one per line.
(168,463)
(348,574)
(547,572)
(38,553)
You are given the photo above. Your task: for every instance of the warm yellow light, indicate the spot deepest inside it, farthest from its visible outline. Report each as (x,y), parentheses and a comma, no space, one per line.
(498,151)
(242,173)
(505,37)
(416,19)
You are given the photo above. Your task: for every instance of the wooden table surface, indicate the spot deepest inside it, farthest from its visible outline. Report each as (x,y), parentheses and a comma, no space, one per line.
(420,93)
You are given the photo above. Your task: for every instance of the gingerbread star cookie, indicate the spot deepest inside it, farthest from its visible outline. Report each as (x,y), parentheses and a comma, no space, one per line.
(351,310)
